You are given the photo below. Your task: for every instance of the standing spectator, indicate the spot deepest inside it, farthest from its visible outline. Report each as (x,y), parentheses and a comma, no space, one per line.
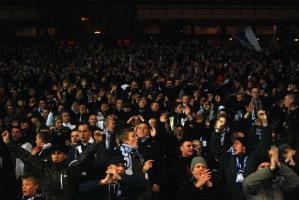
(42,148)
(8,185)
(239,162)
(136,168)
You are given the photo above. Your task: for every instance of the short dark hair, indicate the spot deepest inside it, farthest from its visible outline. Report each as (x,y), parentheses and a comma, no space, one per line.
(83,124)
(45,136)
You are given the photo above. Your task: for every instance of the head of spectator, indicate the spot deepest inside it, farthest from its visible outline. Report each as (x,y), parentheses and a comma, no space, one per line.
(177,82)
(83,109)
(134,85)
(198,166)
(197,146)
(239,97)
(179,132)
(290,101)
(10,109)
(32,103)
(142,102)
(58,153)
(255,93)
(30,187)
(127,107)
(129,138)
(42,104)
(178,108)
(155,107)
(57,122)
(92,120)
(110,124)
(142,130)
(65,116)
(42,138)
(185,99)
(119,104)
(240,145)
(186,148)
(104,107)
(75,136)
(16,133)
(147,84)
(84,133)
(45,112)
(169,84)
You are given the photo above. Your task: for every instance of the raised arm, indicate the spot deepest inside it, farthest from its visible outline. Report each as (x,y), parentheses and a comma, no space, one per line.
(266,139)
(21,153)
(215,143)
(76,164)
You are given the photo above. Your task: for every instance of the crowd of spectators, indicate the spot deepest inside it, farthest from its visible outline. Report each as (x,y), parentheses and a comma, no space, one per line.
(191,119)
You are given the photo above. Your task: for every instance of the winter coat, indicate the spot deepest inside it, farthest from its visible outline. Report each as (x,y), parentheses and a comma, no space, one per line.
(248,161)
(58,180)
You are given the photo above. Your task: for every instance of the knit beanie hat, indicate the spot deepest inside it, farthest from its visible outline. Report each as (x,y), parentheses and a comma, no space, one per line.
(196,160)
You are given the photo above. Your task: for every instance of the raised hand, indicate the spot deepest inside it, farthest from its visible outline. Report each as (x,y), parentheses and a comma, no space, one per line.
(204,179)
(163,117)
(187,110)
(156,188)
(147,166)
(35,150)
(5,136)
(262,117)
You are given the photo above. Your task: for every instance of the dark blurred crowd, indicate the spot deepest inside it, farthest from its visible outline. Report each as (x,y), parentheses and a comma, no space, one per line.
(191,119)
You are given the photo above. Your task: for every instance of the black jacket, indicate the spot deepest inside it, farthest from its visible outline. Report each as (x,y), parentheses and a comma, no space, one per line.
(228,162)
(7,173)
(188,191)
(58,179)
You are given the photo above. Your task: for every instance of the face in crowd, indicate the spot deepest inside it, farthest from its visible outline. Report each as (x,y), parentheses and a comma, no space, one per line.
(84,133)
(29,186)
(132,139)
(187,148)
(142,130)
